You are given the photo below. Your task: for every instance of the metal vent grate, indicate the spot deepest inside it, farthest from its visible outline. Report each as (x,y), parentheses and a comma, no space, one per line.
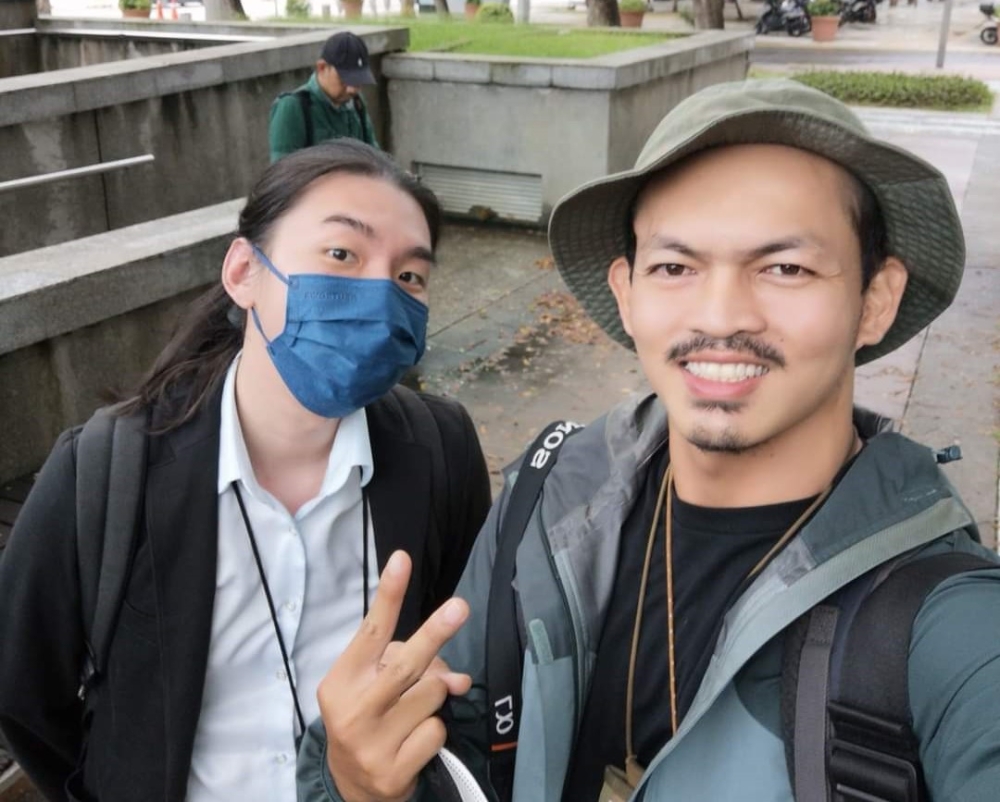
(461,190)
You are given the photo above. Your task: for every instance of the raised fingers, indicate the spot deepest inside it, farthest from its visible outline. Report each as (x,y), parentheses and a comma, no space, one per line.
(409,662)
(376,631)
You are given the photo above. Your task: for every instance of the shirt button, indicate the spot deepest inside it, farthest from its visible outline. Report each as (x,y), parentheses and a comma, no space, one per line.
(292,606)
(281,759)
(281,675)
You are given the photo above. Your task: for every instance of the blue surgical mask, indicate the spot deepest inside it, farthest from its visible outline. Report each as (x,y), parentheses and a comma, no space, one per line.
(346,341)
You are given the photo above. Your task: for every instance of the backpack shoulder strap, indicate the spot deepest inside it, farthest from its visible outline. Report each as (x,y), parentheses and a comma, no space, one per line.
(362,111)
(503,646)
(853,729)
(425,430)
(305,102)
(110,477)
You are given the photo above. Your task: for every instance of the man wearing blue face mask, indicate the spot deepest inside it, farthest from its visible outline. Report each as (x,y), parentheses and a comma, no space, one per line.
(283,468)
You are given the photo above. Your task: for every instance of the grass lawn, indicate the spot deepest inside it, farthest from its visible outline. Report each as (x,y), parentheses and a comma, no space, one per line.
(532,41)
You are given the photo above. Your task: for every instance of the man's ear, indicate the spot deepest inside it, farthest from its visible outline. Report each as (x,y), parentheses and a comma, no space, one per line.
(620,281)
(238,273)
(881,302)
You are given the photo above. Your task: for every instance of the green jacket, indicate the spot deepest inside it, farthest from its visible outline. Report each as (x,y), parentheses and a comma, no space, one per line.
(893,500)
(287,127)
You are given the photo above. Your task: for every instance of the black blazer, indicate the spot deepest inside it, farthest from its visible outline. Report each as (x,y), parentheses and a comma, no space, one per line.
(139,723)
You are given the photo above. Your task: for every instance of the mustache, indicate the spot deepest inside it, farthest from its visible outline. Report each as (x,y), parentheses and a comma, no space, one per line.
(736,343)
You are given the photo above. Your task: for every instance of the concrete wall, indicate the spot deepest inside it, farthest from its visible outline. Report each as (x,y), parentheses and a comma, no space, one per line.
(567,121)
(82,318)
(63,51)
(18,52)
(17,14)
(202,114)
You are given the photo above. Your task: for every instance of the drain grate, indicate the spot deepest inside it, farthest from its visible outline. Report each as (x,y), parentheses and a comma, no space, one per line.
(484,194)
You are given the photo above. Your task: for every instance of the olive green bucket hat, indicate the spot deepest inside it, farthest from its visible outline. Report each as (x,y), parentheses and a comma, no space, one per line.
(587,230)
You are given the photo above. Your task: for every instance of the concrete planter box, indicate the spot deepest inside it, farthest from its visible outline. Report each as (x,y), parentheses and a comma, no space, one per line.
(506,137)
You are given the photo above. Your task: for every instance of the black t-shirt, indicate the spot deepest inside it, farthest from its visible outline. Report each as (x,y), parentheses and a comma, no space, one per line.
(713,551)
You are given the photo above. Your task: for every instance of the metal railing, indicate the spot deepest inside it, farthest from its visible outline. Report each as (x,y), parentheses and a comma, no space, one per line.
(76,172)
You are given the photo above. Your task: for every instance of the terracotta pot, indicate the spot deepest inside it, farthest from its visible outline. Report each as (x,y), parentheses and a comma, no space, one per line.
(631,19)
(140,13)
(352,8)
(471,9)
(824,29)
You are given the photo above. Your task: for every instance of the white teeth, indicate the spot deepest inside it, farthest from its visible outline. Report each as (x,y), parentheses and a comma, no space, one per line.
(725,371)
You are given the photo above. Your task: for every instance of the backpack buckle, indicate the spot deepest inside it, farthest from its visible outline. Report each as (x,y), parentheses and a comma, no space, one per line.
(872,759)
(88,674)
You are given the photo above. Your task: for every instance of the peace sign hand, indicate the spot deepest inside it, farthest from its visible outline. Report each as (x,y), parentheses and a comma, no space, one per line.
(378,701)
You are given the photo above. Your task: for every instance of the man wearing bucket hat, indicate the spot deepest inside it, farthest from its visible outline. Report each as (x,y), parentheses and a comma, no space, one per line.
(718,577)
(329,105)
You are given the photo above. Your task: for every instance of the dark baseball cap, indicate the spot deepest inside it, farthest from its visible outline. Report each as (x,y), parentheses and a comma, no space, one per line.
(348,55)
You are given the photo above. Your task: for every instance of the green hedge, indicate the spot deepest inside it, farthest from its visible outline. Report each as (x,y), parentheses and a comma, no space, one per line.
(948,92)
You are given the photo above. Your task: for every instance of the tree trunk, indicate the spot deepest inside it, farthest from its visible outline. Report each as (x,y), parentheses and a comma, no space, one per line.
(221,9)
(44,7)
(603,13)
(441,7)
(708,14)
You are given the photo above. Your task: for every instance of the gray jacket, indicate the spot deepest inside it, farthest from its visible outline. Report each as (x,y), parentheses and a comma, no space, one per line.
(892,500)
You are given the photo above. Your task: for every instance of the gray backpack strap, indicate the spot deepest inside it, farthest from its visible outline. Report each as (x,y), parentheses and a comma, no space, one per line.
(810,705)
(110,479)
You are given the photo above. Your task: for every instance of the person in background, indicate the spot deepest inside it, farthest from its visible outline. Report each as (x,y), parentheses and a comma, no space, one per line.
(329,105)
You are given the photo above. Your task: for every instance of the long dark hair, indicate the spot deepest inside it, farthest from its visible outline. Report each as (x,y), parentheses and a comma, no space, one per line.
(189,368)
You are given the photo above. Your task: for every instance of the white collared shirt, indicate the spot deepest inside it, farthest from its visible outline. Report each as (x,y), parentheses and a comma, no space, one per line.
(244,747)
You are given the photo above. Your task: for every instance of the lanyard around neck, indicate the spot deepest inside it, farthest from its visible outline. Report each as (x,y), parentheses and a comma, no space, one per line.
(270,599)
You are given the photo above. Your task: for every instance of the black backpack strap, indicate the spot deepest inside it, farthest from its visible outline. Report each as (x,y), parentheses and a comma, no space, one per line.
(362,111)
(503,646)
(848,731)
(305,101)
(110,477)
(426,431)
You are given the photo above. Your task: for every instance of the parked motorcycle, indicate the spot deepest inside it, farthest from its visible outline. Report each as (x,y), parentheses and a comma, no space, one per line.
(989,33)
(857,11)
(785,15)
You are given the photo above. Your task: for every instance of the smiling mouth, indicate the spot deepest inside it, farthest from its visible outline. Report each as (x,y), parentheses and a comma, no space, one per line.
(726,372)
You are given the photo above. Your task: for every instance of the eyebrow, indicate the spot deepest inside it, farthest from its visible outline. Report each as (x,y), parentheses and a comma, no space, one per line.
(417,252)
(669,243)
(351,222)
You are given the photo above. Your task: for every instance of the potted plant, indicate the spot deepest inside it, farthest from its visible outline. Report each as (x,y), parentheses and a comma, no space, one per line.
(825,16)
(631,12)
(471,7)
(352,8)
(135,8)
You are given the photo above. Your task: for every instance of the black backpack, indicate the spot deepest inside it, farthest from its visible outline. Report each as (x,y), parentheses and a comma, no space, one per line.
(846,719)
(110,482)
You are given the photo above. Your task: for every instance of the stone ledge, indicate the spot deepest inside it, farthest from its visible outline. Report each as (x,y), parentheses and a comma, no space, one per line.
(51,291)
(613,71)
